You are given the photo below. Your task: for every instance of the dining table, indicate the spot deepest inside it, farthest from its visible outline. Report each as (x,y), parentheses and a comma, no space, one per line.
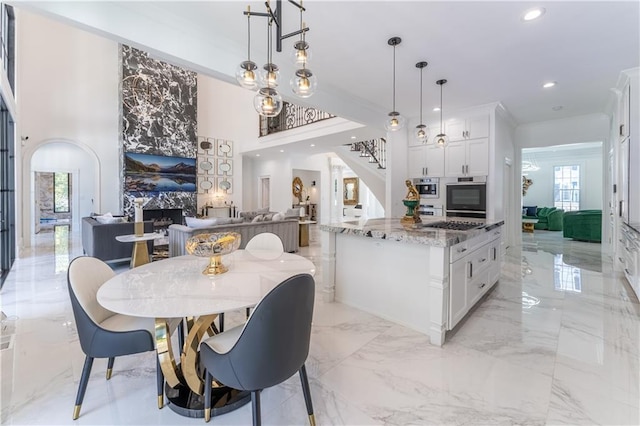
(175,288)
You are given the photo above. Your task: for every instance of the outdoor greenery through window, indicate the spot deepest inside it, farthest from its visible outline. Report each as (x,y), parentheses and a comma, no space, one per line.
(61,192)
(566,187)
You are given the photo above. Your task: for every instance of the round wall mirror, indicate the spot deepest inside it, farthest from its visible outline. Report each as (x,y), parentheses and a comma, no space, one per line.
(296,188)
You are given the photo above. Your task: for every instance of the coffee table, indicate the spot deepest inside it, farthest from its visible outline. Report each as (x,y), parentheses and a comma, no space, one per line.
(528,225)
(140,255)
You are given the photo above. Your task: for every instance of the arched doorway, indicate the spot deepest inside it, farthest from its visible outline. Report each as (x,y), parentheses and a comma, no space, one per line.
(75,159)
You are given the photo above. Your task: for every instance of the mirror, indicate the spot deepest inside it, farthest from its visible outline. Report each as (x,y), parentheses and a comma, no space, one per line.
(350,191)
(296,188)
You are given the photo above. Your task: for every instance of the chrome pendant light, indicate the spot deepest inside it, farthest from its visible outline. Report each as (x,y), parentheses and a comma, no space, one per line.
(268,101)
(246,71)
(270,71)
(421,130)
(395,121)
(441,139)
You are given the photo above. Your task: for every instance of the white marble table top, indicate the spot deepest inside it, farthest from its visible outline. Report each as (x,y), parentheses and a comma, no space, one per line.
(175,287)
(530,220)
(132,238)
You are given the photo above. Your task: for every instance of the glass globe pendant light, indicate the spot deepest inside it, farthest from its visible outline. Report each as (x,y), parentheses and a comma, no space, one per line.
(270,71)
(441,139)
(303,83)
(246,71)
(395,121)
(421,130)
(268,101)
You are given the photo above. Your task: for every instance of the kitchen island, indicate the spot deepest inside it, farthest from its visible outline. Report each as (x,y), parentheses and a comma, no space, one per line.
(419,276)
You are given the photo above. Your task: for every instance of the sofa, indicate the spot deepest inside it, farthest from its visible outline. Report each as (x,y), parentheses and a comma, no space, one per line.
(287,229)
(583,225)
(99,239)
(549,218)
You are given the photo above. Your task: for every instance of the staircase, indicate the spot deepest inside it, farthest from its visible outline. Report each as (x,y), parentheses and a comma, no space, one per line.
(367,159)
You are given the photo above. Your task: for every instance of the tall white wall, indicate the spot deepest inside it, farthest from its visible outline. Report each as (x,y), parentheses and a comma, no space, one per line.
(67,86)
(225,111)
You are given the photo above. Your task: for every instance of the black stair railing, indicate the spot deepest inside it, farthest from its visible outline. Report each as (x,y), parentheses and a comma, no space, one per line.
(375,150)
(290,117)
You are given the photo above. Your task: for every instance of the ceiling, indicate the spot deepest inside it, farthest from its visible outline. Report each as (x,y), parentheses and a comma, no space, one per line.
(484,50)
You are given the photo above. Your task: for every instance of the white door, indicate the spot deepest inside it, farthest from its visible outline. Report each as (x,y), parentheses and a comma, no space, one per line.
(434,161)
(455,159)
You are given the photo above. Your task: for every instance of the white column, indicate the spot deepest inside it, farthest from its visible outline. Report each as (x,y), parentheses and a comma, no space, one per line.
(396,189)
(438,294)
(328,243)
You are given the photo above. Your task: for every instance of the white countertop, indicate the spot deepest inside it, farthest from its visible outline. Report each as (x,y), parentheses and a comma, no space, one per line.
(392,229)
(175,287)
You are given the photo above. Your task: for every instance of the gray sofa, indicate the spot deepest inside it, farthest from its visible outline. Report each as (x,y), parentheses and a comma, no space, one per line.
(99,239)
(287,230)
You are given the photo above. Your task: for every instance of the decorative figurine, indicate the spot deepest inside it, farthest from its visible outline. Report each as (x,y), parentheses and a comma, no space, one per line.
(411,201)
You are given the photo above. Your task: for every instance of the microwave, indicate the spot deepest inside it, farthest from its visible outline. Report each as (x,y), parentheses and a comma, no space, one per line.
(427,187)
(467,199)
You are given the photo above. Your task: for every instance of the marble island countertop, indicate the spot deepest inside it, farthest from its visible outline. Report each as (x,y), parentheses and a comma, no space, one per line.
(392,229)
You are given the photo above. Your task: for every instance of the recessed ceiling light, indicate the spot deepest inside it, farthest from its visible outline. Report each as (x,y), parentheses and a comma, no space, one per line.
(257,155)
(282,150)
(532,14)
(313,144)
(557,108)
(549,84)
(353,137)
(436,109)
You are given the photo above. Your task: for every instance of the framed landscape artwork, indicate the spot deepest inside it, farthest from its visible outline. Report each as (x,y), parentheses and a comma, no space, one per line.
(157,173)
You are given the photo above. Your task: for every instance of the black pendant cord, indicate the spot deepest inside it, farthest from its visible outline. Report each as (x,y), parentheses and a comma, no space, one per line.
(249,33)
(421,95)
(394,78)
(441,109)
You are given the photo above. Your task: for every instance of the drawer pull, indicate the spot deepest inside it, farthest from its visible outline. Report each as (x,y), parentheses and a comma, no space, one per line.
(470,270)
(626,271)
(483,284)
(483,260)
(462,250)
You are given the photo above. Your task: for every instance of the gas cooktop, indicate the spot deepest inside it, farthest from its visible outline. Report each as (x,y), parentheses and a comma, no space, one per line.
(457,225)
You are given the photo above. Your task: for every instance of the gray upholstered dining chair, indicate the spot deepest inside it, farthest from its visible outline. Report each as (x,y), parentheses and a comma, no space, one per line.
(268,349)
(102,333)
(265,244)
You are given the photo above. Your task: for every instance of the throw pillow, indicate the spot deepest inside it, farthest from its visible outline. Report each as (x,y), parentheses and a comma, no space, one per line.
(109,218)
(278,216)
(237,220)
(193,222)
(292,213)
(258,218)
(268,217)
(223,220)
(531,210)
(263,210)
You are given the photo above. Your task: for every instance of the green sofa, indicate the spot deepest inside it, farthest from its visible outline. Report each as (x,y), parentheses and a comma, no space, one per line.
(584,225)
(549,218)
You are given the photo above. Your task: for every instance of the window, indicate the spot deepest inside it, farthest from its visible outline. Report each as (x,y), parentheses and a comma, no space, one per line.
(566,187)
(61,192)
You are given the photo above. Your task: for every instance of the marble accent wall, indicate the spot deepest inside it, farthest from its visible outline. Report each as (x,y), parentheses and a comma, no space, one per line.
(159,116)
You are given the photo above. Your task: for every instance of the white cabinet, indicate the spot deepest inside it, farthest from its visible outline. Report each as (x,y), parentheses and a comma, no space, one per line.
(426,160)
(624,112)
(629,256)
(474,269)
(470,128)
(467,158)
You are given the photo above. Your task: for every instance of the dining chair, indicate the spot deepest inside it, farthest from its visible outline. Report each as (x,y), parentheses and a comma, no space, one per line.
(265,245)
(268,349)
(103,333)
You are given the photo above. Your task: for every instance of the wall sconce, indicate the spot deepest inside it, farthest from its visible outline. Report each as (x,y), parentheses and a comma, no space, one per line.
(313,183)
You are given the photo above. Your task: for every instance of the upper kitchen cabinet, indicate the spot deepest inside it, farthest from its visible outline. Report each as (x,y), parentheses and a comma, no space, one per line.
(426,160)
(469,128)
(467,158)
(624,115)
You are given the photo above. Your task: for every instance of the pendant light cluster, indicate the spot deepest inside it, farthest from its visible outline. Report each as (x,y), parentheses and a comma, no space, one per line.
(396,121)
(268,102)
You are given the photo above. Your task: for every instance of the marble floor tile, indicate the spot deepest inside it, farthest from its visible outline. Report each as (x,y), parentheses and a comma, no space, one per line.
(557,341)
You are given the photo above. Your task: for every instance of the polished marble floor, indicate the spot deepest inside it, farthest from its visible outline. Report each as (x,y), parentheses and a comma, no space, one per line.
(556,342)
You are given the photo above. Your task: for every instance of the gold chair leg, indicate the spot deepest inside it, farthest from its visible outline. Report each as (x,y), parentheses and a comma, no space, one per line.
(312,419)
(109,371)
(76,411)
(160,401)
(207,414)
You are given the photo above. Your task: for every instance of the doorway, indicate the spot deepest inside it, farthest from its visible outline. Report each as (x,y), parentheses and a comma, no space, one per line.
(265,190)
(53,199)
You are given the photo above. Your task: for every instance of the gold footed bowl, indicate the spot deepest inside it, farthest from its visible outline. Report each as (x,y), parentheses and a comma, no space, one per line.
(213,246)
